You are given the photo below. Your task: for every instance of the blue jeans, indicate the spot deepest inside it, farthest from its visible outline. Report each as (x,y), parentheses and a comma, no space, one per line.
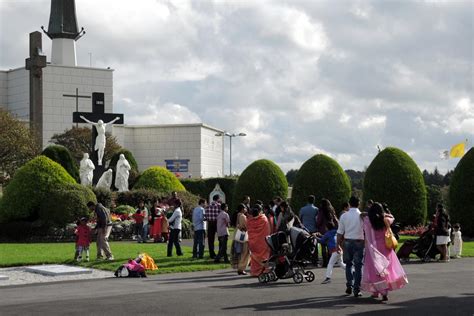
(144,233)
(198,246)
(353,256)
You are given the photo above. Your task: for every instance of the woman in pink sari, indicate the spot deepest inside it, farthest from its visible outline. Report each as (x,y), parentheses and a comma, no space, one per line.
(258,228)
(382,270)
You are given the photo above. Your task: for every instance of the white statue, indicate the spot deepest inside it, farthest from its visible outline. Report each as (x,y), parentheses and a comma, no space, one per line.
(100,126)
(122,173)
(105,180)
(86,170)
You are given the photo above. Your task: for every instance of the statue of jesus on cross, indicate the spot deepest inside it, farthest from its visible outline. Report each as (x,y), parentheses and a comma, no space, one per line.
(100,126)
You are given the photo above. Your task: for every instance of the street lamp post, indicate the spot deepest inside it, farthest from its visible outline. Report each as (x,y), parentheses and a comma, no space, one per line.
(230,135)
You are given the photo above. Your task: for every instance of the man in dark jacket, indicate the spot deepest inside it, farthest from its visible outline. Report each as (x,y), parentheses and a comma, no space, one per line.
(103,227)
(442,232)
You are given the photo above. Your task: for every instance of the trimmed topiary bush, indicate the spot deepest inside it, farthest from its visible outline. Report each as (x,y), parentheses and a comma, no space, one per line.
(134,173)
(394,178)
(159,179)
(261,180)
(66,204)
(63,156)
(31,185)
(461,194)
(322,177)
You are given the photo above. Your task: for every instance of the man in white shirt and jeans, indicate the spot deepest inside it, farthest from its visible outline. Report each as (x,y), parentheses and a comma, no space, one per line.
(350,237)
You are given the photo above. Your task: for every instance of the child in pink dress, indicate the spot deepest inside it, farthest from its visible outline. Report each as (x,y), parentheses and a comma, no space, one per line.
(382,269)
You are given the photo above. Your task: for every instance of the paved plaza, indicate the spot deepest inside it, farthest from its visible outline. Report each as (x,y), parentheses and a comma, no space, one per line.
(434,289)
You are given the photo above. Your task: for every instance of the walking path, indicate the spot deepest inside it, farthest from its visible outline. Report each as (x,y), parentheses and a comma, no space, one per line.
(434,289)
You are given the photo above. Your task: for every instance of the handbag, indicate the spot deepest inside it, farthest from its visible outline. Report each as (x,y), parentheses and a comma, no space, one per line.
(241,236)
(390,241)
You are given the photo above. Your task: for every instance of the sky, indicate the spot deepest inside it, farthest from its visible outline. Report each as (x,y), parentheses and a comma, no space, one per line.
(298,77)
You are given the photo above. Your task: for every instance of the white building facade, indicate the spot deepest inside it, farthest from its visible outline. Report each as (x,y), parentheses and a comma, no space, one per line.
(195,146)
(57,81)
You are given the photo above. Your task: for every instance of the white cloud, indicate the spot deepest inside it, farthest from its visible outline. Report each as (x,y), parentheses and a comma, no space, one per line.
(376,121)
(299,77)
(315,110)
(156,113)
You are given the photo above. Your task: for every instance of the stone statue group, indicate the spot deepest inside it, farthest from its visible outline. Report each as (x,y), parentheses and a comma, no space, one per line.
(86,170)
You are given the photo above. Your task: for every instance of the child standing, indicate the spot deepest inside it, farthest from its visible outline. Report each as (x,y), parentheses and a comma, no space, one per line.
(138,228)
(83,239)
(456,243)
(223,221)
(330,239)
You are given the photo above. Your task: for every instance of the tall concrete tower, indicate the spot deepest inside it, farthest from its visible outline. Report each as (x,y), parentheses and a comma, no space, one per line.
(63,31)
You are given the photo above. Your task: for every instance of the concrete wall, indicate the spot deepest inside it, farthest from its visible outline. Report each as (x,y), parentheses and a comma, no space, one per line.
(18,94)
(59,80)
(3,89)
(152,145)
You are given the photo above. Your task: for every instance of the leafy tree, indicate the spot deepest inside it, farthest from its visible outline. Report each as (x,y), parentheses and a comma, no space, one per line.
(17,145)
(393,177)
(447,177)
(322,177)
(261,180)
(79,141)
(291,176)
(357,178)
(434,196)
(461,194)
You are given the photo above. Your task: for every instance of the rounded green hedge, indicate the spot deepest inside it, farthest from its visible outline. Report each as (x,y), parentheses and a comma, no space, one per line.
(63,156)
(394,178)
(134,173)
(66,204)
(31,185)
(322,177)
(461,194)
(261,180)
(159,179)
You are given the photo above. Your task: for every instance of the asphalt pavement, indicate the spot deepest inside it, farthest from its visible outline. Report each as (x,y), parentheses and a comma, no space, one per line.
(434,289)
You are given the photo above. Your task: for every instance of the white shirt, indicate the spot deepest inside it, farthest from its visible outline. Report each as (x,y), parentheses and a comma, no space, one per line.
(351,225)
(176,218)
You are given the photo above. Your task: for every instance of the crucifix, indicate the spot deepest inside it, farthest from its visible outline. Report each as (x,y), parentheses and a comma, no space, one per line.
(77,96)
(100,120)
(35,64)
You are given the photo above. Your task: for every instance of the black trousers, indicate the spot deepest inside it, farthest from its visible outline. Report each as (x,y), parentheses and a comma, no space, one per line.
(211,236)
(223,248)
(174,240)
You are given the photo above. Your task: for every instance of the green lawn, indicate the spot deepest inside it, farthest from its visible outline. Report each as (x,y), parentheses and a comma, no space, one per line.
(18,254)
(39,253)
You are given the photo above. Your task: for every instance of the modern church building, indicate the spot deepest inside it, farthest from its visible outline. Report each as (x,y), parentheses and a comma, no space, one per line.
(46,94)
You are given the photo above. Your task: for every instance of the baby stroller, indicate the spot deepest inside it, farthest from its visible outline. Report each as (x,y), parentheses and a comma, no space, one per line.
(423,247)
(281,264)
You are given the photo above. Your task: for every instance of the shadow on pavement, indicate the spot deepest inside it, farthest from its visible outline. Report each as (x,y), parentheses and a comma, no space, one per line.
(439,305)
(325,302)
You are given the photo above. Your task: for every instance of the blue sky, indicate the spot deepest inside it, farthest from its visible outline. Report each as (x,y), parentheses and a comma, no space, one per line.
(299,77)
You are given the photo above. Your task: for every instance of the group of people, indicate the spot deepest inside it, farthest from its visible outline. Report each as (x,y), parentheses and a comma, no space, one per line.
(355,240)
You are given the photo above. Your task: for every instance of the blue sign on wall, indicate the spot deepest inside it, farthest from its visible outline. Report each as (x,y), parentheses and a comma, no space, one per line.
(177,165)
